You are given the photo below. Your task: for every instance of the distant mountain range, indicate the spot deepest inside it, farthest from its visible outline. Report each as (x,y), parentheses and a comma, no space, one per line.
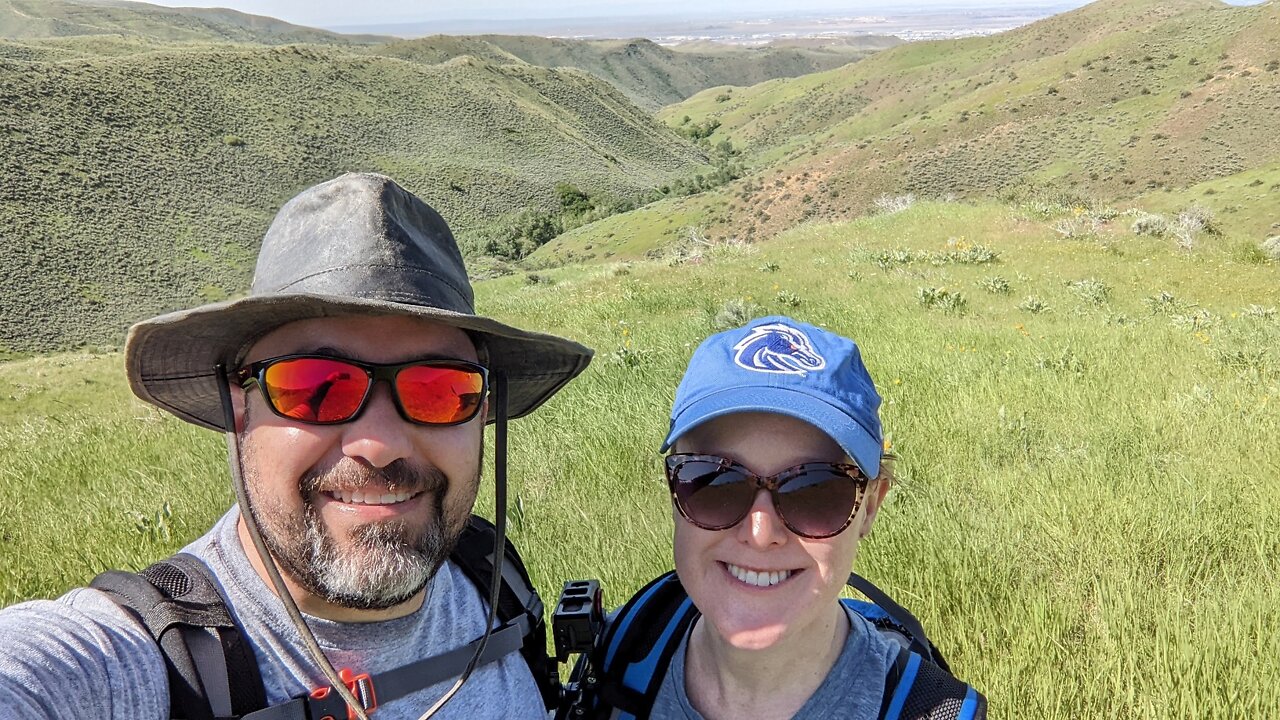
(145,149)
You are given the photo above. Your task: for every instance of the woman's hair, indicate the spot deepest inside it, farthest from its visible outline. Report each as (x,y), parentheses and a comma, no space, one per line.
(886,468)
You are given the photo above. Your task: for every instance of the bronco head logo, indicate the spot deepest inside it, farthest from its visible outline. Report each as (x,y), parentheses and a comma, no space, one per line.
(778,348)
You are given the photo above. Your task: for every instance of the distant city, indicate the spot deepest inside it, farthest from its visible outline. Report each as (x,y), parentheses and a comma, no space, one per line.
(908,24)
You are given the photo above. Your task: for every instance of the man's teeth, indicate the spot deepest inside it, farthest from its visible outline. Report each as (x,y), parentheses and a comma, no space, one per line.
(758,578)
(360,497)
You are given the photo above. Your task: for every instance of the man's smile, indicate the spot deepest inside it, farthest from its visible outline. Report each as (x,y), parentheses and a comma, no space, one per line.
(370,496)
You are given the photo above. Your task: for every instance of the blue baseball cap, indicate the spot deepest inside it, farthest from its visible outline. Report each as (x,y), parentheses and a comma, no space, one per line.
(778,365)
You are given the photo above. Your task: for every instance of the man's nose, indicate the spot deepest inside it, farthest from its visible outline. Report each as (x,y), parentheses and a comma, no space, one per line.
(762,528)
(379,436)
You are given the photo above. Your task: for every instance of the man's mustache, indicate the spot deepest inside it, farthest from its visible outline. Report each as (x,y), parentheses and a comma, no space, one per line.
(399,476)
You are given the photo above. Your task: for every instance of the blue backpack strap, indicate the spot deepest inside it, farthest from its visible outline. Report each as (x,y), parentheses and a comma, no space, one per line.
(916,689)
(637,646)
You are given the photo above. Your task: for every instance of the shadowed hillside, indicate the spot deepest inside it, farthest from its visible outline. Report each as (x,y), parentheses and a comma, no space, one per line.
(31,19)
(650,74)
(131,182)
(1116,99)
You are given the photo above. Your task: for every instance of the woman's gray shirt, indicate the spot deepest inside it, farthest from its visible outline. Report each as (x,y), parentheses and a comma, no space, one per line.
(852,690)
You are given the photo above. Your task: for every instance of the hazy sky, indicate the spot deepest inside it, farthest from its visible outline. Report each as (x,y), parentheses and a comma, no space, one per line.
(368,12)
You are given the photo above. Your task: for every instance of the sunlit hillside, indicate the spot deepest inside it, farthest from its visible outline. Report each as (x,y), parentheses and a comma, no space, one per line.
(1115,100)
(143,182)
(31,19)
(648,73)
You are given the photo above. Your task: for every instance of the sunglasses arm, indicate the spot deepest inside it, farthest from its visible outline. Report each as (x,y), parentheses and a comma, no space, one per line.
(268,562)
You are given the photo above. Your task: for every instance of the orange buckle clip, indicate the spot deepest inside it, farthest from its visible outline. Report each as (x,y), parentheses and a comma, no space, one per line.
(360,685)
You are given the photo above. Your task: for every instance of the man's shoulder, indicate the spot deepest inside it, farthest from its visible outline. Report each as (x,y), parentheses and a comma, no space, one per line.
(85,608)
(78,654)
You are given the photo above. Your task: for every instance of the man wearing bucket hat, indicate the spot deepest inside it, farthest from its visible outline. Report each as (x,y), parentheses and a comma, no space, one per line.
(775,475)
(351,545)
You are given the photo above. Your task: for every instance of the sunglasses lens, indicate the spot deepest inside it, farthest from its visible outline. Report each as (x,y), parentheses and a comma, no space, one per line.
(818,503)
(710,495)
(317,390)
(440,395)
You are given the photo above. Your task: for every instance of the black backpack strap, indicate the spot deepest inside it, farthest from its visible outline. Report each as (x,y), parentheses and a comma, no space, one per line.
(637,647)
(518,601)
(916,689)
(903,617)
(212,670)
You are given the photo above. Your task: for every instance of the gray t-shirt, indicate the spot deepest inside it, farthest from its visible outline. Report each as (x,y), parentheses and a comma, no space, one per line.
(852,690)
(81,656)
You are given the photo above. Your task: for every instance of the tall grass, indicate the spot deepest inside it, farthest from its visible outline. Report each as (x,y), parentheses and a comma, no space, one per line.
(1084,517)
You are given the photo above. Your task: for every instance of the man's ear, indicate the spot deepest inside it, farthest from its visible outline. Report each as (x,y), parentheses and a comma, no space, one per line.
(874,498)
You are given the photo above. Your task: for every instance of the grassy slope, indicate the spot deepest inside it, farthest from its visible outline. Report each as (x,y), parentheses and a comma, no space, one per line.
(31,19)
(648,73)
(127,191)
(1115,99)
(1084,518)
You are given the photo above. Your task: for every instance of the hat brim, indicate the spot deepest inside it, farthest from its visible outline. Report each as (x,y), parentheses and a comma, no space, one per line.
(857,441)
(170,359)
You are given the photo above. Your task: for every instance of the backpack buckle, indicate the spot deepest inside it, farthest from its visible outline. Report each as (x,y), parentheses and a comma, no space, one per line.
(360,685)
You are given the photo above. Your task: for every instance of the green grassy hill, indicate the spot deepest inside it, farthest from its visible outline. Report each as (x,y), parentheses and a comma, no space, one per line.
(1084,517)
(648,73)
(32,19)
(1115,100)
(141,183)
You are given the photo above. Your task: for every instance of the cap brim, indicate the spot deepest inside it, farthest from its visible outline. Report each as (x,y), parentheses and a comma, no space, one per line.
(170,359)
(857,441)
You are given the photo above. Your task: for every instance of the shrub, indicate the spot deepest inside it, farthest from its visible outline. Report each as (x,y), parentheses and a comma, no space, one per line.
(995,284)
(786,298)
(1271,248)
(949,301)
(1034,305)
(1151,224)
(1091,290)
(889,204)
(1198,319)
(972,255)
(1165,303)
(1191,223)
(736,313)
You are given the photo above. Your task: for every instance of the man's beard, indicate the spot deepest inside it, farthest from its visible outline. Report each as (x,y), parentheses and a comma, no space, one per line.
(381,564)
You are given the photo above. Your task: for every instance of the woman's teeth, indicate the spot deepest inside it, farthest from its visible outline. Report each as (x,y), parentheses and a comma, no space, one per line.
(758,578)
(360,497)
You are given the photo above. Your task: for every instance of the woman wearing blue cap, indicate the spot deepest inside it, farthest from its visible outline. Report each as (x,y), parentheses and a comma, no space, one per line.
(775,475)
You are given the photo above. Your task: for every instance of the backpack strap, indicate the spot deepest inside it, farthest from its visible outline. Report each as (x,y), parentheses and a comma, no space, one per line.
(916,689)
(888,616)
(211,667)
(637,646)
(213,674)
(642,636)
(518,601)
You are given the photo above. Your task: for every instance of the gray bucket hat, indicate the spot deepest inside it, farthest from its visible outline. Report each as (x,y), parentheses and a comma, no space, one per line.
(357,245)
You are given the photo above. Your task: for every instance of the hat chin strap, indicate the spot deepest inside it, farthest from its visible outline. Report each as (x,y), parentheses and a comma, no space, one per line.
(282,591)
